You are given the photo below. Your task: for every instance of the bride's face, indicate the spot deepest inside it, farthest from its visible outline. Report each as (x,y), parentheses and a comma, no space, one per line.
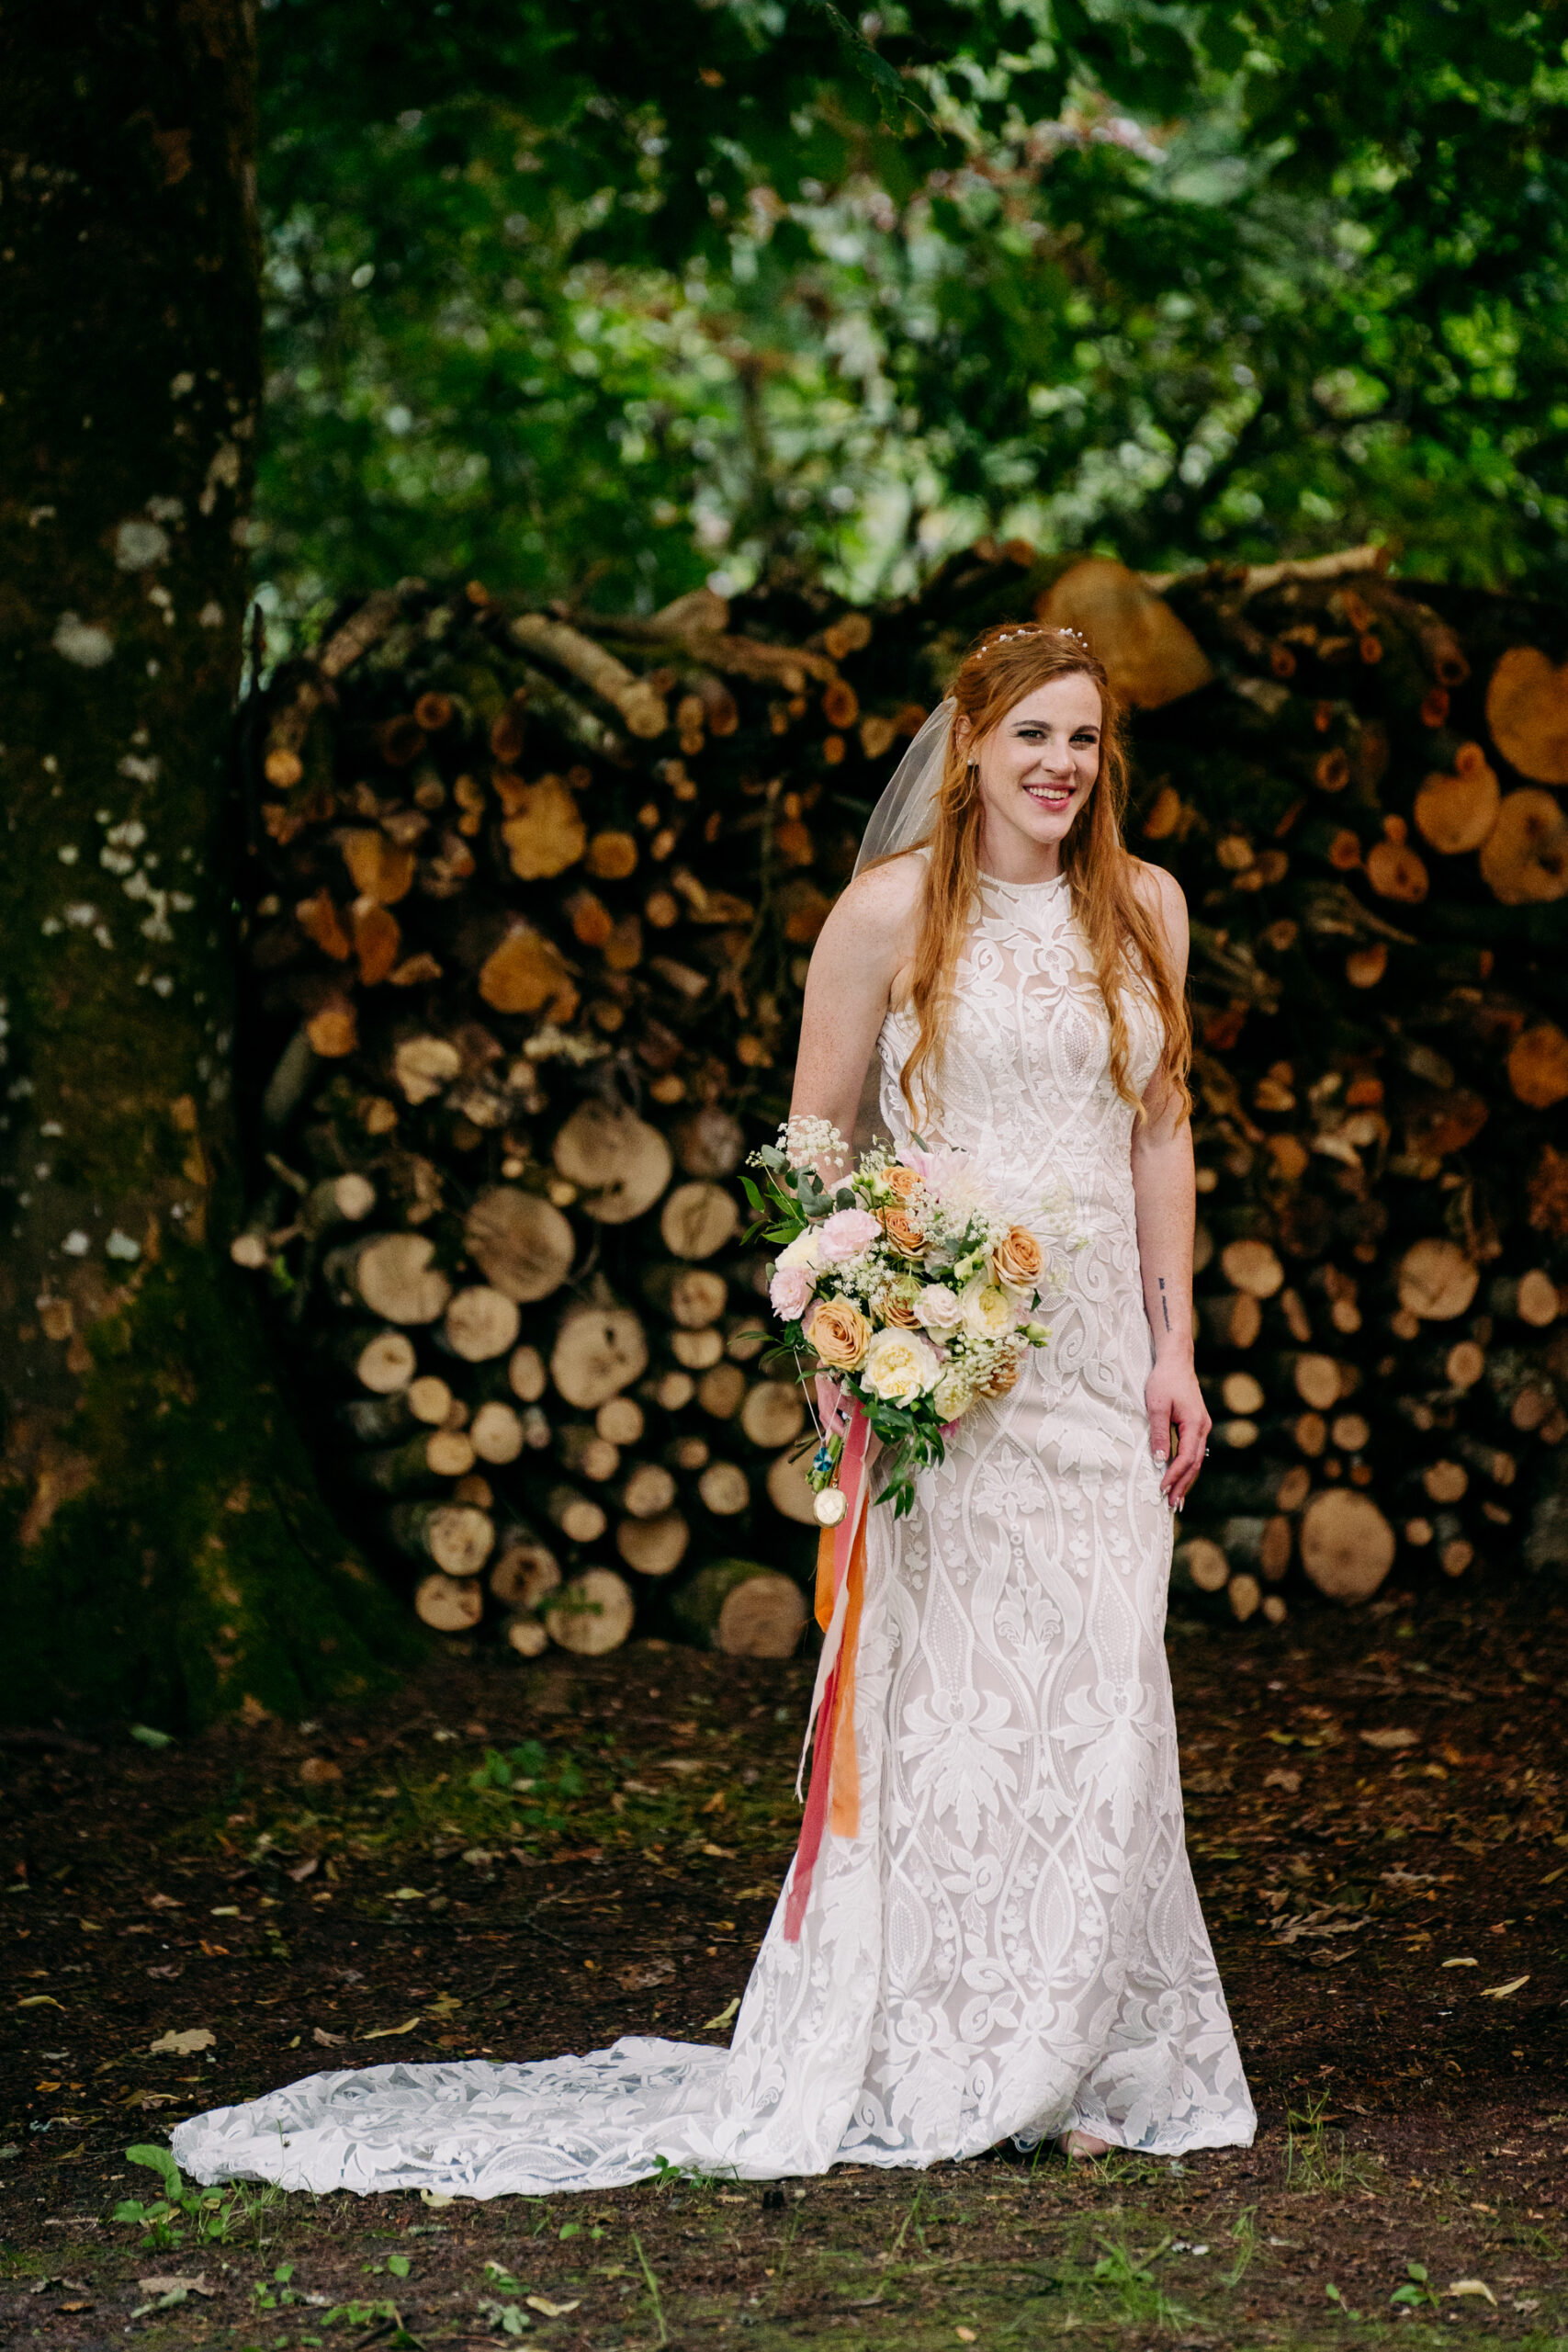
(1037,768)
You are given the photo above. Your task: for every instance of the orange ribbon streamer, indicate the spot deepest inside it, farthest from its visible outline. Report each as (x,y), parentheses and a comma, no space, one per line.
(843,1817)
(832,1805)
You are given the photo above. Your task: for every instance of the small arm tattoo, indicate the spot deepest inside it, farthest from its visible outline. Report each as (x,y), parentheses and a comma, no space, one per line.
(1164,1302)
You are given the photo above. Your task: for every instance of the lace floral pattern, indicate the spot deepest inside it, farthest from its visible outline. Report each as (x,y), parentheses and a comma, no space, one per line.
(1013,1944)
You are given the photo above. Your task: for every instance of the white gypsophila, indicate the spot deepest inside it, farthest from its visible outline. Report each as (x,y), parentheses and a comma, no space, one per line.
(806,1140)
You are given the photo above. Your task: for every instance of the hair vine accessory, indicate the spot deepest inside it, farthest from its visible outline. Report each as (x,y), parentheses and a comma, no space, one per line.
(1029,629)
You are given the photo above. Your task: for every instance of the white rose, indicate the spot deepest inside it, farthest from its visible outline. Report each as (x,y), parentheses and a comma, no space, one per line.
(951,1396)
(805,1250)
(899,1365)
(986,1308)
(938,1309)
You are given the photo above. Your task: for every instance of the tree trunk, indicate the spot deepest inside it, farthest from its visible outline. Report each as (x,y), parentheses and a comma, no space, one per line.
(170,1558)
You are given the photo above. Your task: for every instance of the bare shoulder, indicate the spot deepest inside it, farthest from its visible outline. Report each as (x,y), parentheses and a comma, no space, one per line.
(1161,894)
(881,906)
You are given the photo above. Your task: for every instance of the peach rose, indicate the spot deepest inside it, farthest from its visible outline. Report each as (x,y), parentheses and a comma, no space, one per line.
(901,1181)
(903,1232)
(839,1334)
(898,1303)
(1019,1259)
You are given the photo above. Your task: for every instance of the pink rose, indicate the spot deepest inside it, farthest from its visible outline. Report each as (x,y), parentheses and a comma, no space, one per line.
(790,1290)
(849,1233)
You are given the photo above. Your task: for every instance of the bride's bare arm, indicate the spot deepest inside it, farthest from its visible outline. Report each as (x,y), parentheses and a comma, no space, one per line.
(1166,1198)
(859,964)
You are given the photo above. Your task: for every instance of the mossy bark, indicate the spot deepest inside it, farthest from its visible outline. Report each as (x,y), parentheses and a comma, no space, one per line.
(165,1549)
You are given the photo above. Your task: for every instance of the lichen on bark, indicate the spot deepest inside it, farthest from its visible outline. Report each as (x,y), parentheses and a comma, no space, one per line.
(162,1544)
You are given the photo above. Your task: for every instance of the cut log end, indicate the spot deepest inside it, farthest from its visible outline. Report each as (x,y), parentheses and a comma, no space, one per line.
(790,1490)
(447,1605)
(697,1220)
(1436,1281)
(599,1352)
(593,1615)
(1200,1564)
(742,1609)
(654,1547)
(480,1323)
(385,1362)
(520,1242)
(618,1162)
(1347,1544)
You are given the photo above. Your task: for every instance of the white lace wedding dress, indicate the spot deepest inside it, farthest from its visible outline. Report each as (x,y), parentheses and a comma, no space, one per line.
(1012,1944)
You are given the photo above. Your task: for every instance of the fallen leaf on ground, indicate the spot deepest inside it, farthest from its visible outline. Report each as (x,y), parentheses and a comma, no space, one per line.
(551,2311)
(410,1894)
(40,2001)
(325,2040)
(1501,1992)
(1461,1964)
(384,2032)
(180,2045)
(641,1976)
(725,2016)
(316,1770)
(767,1893)
(1472,2287)
(197,2286)
(1390,1739)
(307,1869)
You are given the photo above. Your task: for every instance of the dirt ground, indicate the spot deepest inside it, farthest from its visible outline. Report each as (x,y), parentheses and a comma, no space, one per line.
(1376,1817)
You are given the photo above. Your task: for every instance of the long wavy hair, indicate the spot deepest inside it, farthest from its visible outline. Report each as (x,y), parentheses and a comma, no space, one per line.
(1002,666)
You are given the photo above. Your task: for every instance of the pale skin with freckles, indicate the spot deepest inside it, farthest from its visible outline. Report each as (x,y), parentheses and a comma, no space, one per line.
(1036,770)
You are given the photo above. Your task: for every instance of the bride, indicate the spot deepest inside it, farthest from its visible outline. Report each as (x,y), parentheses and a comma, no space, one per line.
(1008,1944)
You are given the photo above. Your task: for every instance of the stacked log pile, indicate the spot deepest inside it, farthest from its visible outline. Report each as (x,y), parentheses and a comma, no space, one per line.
(529,906)
(1360,807)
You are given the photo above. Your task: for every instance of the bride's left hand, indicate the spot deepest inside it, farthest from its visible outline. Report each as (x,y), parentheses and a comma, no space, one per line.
(1179,1427)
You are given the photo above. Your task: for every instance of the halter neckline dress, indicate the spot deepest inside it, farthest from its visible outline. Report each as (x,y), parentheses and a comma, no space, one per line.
(1012,1944)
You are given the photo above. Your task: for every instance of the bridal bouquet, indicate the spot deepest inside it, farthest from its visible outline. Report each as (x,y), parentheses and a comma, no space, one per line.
(907,1283)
